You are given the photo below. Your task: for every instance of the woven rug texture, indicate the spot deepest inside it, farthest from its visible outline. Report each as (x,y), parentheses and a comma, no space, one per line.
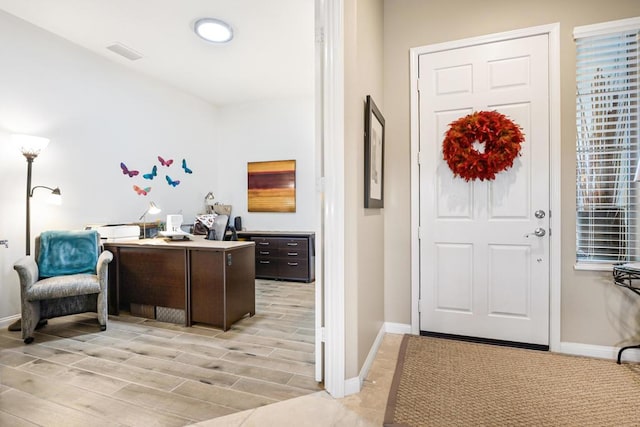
(442,382)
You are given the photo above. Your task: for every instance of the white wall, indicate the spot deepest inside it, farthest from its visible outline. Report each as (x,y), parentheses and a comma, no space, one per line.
(98,114)
(364,228)
(264,131)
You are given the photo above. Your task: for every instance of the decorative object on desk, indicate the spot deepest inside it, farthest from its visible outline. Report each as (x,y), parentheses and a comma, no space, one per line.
(501,138)
(151,210)
(141,191)
(222,209)
(127,171)
(272,186)
(209,202)
(185,167)
(152,174)
(373,155)
(172,182)
(164,162)
(174,230)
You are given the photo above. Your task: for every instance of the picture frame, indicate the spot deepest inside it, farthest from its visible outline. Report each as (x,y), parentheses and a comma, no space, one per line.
(271,186)
(374,140)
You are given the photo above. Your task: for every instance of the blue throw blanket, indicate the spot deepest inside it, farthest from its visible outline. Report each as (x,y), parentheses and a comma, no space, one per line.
(68,252)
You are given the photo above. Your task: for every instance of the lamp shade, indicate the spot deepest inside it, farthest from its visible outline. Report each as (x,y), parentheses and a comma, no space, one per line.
(55,198)
(153,209)
(30,145)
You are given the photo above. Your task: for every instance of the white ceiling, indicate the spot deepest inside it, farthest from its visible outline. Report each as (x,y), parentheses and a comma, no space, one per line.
(271,55)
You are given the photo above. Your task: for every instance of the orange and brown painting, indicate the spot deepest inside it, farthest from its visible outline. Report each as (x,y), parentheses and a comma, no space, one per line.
(272,186)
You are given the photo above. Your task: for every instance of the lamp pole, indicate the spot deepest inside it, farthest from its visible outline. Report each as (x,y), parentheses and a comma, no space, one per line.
(30,158)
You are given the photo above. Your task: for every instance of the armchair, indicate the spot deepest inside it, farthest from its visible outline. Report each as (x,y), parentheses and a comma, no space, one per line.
(67,276)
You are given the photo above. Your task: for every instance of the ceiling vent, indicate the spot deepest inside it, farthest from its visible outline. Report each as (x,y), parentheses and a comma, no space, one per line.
(125,51)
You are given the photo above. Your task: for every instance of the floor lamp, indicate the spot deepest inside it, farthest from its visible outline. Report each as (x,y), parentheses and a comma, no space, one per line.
(30,146)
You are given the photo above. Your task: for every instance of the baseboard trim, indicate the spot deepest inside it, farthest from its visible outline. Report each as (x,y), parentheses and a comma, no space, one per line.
(6,321)
(397,328)
(598,351)
(354,385)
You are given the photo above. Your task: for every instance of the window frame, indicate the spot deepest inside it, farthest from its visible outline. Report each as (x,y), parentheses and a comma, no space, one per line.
(630,203)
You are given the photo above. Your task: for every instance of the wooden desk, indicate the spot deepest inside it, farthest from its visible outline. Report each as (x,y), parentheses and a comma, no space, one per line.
(212,281)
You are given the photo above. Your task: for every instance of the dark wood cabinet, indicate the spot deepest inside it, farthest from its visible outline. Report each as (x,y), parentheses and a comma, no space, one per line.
(283,255)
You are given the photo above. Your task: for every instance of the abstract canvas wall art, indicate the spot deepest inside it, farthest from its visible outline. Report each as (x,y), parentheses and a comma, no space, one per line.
(272,186)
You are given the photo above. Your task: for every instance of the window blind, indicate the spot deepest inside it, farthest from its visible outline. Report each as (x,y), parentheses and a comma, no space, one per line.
(607,90)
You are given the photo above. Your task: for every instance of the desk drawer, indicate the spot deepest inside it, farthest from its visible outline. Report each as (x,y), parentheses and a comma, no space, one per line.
(293,269)
(265,243)
(266,267)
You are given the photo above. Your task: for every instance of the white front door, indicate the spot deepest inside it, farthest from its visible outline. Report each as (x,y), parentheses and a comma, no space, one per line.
(480,276)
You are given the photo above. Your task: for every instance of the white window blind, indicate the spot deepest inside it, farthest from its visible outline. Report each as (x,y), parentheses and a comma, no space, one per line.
(607,73)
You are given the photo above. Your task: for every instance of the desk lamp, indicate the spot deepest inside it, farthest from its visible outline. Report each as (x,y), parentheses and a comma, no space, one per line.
(151,210)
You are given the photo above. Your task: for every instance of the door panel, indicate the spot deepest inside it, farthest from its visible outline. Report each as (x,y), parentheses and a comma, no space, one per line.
(479,273)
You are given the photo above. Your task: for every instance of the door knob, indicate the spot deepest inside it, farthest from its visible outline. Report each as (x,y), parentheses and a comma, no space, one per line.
(539,213)
(538,232)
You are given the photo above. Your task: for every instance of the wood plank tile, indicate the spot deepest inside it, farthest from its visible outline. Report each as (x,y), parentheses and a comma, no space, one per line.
(130,373)
(263,388)
(281,365)
(51,354)
(223,396)
(7,419)
(172,403)
(183,371)
(42,412)
(13,358)
(85,402)
(198,345)
(239,369)
(268,342)
(89,349)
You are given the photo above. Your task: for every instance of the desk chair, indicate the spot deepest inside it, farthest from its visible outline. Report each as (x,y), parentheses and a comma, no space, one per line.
(67,276)
(219,227)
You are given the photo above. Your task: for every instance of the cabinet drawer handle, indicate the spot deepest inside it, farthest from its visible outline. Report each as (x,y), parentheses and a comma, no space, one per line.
(292,244)
(292,253)
(264,252)
(263,243)
(293,264)
(265,262)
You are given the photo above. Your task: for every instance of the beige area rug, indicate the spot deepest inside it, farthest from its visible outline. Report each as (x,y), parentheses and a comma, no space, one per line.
(441,382)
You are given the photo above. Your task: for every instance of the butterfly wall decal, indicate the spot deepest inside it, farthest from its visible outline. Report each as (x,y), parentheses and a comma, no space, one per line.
(184,166)
(126,170)
(141,191)
(171,182)
(164,162)
(154,172)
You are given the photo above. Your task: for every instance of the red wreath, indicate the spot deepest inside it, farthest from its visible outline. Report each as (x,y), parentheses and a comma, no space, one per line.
(501,137)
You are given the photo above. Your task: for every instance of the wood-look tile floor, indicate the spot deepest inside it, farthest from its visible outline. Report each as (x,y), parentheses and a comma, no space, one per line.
(141,372)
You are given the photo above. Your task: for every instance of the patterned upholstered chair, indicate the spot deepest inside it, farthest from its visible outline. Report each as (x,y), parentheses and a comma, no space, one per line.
(67,276)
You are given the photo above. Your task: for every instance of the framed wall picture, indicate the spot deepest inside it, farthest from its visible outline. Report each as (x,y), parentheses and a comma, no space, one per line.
(373,156)
(271,186)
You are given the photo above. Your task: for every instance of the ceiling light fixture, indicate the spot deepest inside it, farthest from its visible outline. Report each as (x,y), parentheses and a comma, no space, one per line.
(213,30)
